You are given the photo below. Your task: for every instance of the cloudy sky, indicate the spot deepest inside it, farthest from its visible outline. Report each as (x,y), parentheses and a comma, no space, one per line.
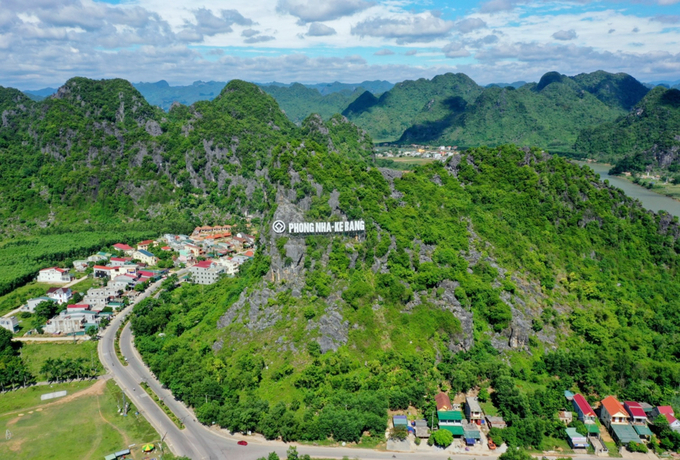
(45,42)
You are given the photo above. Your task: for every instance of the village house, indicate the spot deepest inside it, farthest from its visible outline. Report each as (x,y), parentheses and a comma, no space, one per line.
(9,323)
(667,411)
(60,295)
(585,413)
(145,256)
(119,261)
(636,412)
(576,439)
(32,303)
(451,420)
(195,250)
(98,257)
(75,319)
(54,275)
(422,430)
(230,266)
(473,411)
(565,416)
(443,401)
(80,265)
(101,271)
(206,272)
(612,412)
(97,298)
(495,422)
(128,250)
(144,245)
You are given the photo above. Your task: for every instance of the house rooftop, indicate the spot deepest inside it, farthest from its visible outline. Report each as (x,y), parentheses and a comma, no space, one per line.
(146,253)
(472,404)
(613,406)
(635,409)
(583,405)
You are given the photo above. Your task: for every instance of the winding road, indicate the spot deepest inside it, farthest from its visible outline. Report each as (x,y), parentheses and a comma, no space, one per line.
(200,442)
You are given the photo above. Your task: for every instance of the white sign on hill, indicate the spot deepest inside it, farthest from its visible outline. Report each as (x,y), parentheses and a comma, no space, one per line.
(56,394)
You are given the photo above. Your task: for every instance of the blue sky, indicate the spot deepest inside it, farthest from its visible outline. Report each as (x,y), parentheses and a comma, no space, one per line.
(45,42)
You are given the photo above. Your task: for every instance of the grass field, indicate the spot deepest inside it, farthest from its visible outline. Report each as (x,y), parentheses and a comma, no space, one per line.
(83,425)
(84,285)
(19,296)
(35,354)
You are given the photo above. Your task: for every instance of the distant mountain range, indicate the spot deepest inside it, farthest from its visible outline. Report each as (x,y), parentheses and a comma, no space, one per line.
(452,109)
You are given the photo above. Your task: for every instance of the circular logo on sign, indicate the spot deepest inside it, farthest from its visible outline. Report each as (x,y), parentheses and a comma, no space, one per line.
(279,226)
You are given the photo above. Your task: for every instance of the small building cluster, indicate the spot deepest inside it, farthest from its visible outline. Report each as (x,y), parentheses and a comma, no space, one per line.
(626,422)
(441,152)
(211,252)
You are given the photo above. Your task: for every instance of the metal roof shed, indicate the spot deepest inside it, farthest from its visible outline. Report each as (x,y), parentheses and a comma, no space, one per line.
(642,430)
(625,434)
(455,430)
(110,457)
(450,415)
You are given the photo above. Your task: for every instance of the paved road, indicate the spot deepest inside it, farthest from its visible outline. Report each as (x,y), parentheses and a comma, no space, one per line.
(199,442)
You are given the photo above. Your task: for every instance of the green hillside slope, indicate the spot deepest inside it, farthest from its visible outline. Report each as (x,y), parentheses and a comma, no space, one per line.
(394,112)
(98,154)
(298,101)
(502,268)
(453,110)
(647,136)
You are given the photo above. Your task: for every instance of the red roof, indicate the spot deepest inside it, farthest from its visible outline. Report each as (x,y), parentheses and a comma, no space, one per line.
(203,264)
(121,259)
(249,253)
(61,270)
(166,248)
(635,409)
(670,418)
(145,242)
(54,289)
(122,247)
(583,405)
(613,406)
(103,267)
(82,306)
(665,410)
(443,401)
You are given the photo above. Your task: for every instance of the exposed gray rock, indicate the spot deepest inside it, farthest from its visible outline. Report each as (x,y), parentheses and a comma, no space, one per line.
(448,301)
(333,330)
(153,128)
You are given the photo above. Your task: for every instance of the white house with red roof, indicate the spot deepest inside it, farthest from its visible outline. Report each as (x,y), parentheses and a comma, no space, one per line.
(144,245)
(667,411)
(102,271)
(119,261)
(206,272)
(54,275)
(124,248)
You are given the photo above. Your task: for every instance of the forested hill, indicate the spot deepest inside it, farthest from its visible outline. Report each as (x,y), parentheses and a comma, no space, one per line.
(98,153)
(647,137)
(503,268)
(549,114)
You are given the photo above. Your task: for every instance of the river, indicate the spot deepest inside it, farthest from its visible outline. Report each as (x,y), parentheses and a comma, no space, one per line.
(650,200)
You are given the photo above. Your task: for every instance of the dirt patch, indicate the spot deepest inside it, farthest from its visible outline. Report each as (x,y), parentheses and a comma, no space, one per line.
(95,390)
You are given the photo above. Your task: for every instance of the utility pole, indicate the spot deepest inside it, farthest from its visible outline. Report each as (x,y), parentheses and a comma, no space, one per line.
(160,445)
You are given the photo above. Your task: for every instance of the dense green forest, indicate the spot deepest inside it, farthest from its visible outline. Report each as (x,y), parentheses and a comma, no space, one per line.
(299,101)
(504,268)
(647,137)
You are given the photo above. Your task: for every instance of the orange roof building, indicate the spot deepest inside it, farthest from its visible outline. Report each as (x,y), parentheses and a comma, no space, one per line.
(613,412)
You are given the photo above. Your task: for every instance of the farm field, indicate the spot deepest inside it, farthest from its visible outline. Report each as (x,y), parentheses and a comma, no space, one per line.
(84,424)
(19,296)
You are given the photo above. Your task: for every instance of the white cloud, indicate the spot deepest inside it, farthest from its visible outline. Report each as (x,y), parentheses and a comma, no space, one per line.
(384,52)
(316,29)
(565,35)
(455,50)
(469,24)
(411,29)
(325,10)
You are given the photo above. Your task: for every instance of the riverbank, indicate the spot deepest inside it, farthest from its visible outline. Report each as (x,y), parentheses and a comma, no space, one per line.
(649,198)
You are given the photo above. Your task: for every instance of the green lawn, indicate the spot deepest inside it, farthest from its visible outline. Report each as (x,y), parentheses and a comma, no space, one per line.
(86,427)
(489,408)
(86,284)
(35,354)
(30,397)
